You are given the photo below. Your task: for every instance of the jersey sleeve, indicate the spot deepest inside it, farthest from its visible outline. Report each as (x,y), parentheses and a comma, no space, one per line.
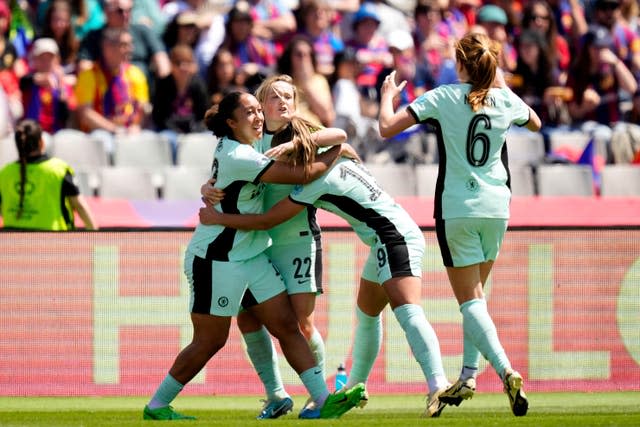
(519,110)
(425,106)
(250,164)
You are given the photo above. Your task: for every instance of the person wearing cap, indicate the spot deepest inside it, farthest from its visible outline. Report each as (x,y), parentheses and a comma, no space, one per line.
(372,50)
(597,78)
(626,42)
(47,97)
(493,19)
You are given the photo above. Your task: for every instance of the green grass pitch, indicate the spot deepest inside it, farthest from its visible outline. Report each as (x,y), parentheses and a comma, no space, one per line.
(488,409)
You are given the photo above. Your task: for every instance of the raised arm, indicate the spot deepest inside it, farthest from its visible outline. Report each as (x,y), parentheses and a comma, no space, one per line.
(286,173)
(279,213)
(325,137)
(391,123)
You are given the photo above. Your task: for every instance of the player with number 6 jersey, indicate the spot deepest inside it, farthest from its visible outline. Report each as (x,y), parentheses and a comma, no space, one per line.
(471,205)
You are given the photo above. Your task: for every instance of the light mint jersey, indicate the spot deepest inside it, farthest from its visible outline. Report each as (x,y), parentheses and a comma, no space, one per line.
(237,169)
(351,192)
(302,227)
(473,172)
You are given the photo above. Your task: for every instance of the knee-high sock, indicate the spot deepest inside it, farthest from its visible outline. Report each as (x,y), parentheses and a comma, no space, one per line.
(477,323)
(263,356)
(366,346)
(166,392)
(316,344)
(470,358)
(424,344)
(315,384)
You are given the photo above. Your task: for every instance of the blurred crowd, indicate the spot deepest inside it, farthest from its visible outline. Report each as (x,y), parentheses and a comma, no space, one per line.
(110,67)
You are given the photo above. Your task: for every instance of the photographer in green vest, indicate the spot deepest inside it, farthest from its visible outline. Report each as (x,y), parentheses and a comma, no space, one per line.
(37,192)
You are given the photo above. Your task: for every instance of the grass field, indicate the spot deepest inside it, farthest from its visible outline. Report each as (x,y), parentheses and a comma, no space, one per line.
(545,410)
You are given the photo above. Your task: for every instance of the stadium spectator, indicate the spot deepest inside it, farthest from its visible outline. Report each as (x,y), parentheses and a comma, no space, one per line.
(182,29)
(12,67)
(37,192)
(253,57)
(57,26)
(315,102)
(210,24)
(537,80)
(571,19)
(273,20)
(538,16)
(180,99)
(222,76)
(113,95)
(48,97)
(598,80)
(147,53)
(354,114)
(434,41)
(86,15)
(316,17)
(391,18)
(458,15)
(494,20)
(149,13)
(243,273)
(372,50)
(626,43)
(472,196)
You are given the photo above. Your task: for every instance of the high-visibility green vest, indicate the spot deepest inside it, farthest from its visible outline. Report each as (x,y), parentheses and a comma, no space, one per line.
(44,207)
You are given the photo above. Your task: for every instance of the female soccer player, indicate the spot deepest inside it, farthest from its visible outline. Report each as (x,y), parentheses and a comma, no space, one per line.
(296,250)
(225,266)
(472,193)
(392,274)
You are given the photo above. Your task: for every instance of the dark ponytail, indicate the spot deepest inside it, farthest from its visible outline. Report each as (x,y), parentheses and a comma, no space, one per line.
(216,117)
(27,136)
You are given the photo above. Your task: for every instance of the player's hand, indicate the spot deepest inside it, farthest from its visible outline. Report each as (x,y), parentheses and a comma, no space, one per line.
(210,195)
(346,150)
(209,216)
(280,150)
(389,86)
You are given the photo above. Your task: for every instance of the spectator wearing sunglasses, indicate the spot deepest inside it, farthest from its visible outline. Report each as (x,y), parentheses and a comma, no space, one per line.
(148,50)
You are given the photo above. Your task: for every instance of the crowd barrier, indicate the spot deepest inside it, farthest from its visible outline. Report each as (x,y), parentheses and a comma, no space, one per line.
(105,313)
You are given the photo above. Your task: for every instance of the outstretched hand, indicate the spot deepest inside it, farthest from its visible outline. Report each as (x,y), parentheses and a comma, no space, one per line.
(346,150)
(389,86)
(209,216)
